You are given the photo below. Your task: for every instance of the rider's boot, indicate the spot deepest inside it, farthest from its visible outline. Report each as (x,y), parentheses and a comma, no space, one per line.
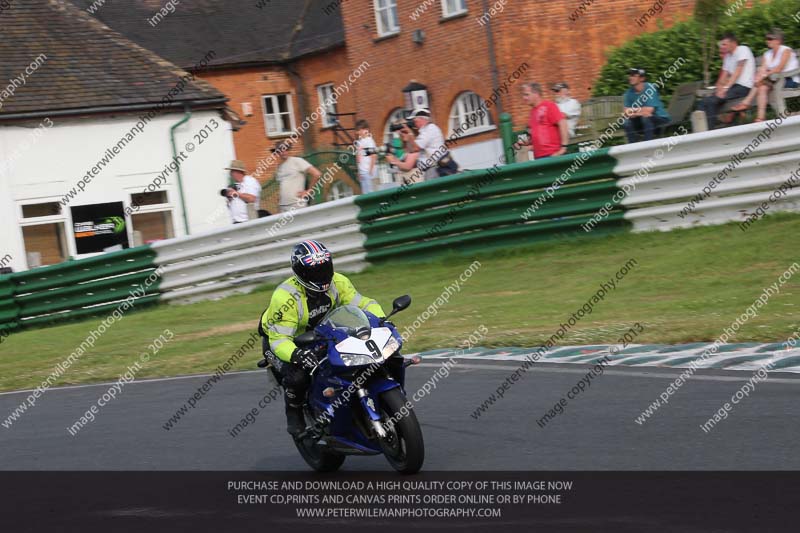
(295,419)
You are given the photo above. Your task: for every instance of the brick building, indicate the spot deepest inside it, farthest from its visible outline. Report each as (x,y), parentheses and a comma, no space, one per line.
(289,54)
(454,46)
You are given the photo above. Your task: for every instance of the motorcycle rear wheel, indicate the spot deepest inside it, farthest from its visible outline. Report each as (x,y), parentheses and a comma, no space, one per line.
(313,454)
(403,446)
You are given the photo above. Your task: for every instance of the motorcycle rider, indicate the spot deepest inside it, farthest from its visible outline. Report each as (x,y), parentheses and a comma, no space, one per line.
(298,305)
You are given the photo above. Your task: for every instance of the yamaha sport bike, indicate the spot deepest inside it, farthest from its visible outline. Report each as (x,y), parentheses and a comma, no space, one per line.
(356,403)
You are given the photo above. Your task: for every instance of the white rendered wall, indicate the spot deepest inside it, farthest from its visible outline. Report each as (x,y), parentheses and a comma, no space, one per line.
(41,166)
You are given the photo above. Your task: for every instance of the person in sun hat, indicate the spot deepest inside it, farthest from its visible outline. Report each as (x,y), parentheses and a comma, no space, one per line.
(244,190)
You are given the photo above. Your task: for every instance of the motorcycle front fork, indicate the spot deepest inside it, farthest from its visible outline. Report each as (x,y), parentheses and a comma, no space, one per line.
(374,416)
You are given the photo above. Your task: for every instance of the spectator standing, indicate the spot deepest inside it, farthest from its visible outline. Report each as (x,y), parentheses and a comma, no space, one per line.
(735,80)
(291,176)
(427,149)
(777,58)
(644,112)
(546,123)
(568,105)
(245,190)
(366,156)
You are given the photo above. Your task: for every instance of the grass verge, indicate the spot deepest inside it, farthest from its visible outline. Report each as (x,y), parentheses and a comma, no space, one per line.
(687,285)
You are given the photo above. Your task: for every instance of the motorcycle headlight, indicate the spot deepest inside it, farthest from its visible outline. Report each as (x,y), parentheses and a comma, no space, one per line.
(391,347)
(353,359)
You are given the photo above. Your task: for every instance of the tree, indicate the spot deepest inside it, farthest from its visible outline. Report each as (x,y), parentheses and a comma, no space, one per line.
(708,13)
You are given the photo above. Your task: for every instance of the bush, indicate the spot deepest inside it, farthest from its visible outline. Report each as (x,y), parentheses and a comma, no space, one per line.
(657,51)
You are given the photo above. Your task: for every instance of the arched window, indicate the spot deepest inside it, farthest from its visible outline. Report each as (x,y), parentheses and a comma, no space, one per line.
(469,115)
(397,114)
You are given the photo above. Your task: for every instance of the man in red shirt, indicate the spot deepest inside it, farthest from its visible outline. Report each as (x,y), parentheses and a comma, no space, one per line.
(547,124)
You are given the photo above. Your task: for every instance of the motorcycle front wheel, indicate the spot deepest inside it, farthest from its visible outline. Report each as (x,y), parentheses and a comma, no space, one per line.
(403,445)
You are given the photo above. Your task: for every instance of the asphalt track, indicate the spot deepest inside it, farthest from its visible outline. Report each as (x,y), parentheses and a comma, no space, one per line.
(596,432)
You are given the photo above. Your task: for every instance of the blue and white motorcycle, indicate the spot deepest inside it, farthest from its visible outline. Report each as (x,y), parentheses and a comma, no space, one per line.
(356,404)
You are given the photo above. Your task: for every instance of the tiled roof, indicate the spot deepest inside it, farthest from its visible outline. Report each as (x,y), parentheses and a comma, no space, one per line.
(239,32)
(82,64)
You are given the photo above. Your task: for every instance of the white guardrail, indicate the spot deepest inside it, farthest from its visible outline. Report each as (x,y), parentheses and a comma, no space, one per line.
(236,259)
(679,169)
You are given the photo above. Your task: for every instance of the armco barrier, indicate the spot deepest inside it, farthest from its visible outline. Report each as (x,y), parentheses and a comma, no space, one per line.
(481,209)
(238,258)
(657,199)
(83,287)
(9,310)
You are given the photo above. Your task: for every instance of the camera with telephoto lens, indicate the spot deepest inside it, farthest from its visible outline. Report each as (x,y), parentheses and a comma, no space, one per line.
(400,124)
(224,192)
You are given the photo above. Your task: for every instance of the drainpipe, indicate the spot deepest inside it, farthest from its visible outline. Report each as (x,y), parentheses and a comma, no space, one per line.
(187,115)
(492,57)
(301,103)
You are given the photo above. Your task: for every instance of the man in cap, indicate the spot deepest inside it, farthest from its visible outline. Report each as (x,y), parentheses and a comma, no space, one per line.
(644,112)
(244,190)
(427,148)
(568,105)
(291,175)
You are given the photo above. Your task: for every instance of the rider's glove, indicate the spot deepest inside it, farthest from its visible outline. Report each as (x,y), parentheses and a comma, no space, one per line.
(304,357)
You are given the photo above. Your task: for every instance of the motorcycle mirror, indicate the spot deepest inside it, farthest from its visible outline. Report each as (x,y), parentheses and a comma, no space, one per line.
(400,303)
(307,339)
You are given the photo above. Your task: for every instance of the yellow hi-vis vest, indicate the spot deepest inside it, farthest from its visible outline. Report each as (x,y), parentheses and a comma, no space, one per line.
(287,314)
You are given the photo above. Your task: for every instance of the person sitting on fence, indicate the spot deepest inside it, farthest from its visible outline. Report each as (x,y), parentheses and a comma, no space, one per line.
(735,79)
(291,176)
(644,112)
(777,58)
(568,105)
(546,123)
(366,156)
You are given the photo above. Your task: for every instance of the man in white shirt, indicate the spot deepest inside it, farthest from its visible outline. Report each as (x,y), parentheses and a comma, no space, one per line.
(291,176)
(245,190)
(568,105)
(427,149)
(366,156)
(735,79)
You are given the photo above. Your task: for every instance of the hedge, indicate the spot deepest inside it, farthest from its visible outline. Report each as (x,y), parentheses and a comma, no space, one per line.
(657,51)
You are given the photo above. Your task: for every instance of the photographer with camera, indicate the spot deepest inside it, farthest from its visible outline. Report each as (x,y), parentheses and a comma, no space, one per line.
(243,191)
(427,150)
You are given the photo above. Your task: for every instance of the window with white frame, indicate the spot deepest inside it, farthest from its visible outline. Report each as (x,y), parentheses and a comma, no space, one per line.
(466,115)
(44,233)
(395,116)
(153,218)
(278,114)
(327,102)
(386,17)
(451,8)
